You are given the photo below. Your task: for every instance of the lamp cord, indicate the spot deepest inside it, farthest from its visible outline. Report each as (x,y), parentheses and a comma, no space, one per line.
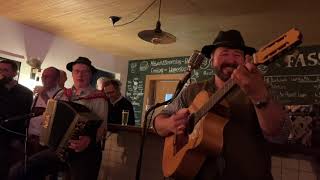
(140,15)
(159,11)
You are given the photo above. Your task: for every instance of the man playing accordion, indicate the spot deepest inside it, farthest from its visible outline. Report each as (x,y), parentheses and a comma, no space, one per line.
(83,162)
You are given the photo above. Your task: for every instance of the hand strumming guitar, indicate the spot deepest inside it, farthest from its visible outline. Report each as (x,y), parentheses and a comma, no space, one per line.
(176,123)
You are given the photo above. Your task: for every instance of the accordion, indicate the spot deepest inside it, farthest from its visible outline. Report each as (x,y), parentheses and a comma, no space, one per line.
(64,120)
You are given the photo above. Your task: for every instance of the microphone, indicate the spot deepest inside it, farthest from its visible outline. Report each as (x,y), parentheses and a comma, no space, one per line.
(195,60)
(21,117)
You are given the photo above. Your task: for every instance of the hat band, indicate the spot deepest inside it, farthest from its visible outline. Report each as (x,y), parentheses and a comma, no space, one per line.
(229,44)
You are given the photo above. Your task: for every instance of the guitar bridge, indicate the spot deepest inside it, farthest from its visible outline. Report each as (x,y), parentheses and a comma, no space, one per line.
(180,141)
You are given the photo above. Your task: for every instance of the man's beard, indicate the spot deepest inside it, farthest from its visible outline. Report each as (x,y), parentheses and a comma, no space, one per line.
(219,71)
(5,80)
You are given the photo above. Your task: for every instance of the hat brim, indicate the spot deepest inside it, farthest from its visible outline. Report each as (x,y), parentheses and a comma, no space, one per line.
(70,64)
(207,50)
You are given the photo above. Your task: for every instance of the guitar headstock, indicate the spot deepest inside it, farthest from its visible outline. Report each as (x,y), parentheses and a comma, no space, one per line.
(286,41)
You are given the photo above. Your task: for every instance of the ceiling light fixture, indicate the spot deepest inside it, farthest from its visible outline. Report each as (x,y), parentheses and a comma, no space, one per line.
(155,36)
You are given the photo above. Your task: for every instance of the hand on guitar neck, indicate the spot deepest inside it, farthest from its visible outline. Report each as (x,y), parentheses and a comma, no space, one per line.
(250,80)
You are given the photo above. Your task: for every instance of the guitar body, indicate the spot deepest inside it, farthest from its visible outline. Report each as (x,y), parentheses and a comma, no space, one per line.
(205,140)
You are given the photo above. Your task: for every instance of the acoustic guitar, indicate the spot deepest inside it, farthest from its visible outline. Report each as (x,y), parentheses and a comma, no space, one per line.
(183,155)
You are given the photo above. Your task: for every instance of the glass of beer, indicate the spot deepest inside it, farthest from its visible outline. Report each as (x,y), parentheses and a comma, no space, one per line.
(125,117)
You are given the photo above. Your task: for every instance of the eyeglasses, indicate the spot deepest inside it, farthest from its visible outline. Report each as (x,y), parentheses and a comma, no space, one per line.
(82,72)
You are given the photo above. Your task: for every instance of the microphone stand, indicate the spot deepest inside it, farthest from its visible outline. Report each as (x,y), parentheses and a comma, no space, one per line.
(151,109)
(26,141)
(195,61)
(27,118)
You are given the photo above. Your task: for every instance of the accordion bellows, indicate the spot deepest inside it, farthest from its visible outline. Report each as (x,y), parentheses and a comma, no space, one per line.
(64,120)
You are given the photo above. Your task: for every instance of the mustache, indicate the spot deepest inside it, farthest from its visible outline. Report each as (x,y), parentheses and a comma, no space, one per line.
(225,65)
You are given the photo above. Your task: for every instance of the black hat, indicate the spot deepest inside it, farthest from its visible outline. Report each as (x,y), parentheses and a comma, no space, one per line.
(231,39)
(81,60)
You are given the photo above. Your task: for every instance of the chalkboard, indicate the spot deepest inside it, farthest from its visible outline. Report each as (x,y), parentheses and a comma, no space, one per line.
(293,78)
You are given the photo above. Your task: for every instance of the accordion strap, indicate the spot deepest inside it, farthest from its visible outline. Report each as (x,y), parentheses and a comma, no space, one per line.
(36,109)
(55,94)
(95,95)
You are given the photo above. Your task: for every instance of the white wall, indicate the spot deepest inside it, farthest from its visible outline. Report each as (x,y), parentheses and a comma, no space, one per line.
(53,51)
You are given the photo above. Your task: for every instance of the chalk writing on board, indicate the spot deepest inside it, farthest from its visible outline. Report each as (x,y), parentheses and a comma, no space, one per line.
(317,86)
(208,72)
(144,65)
(180,69)
(167,62)
(133,67)
(297,89)
(263,68)
(279,86)
(159,70)
(315,78)
(292,94)
(171,70)
(205,64)
(135,89)
(194,76)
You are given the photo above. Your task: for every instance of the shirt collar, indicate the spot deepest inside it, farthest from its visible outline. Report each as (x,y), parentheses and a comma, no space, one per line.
(53,90)
(83,91)
(117,100)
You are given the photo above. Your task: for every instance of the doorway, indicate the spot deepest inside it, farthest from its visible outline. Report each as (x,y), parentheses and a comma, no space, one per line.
(159,88)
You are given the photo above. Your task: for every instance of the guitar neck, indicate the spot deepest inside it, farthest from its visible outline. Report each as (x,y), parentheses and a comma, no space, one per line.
(214,99)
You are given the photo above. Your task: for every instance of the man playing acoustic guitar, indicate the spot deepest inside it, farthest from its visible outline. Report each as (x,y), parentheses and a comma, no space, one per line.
(253,115)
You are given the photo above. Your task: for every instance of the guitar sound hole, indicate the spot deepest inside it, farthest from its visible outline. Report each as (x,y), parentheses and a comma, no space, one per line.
(180,141)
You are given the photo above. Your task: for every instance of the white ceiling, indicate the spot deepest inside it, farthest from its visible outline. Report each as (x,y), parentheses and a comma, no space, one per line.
(194,22)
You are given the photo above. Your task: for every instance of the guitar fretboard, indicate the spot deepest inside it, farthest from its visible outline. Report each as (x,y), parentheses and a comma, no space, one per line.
(214,99)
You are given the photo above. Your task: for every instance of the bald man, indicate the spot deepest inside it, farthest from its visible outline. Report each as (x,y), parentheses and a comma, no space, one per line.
(50,80)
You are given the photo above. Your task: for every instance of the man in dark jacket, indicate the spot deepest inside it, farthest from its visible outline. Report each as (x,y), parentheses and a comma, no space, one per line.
(15,100)
(117,103)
